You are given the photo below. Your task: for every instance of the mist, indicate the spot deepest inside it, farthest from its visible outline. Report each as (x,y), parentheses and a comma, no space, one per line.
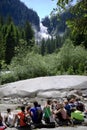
(43,33)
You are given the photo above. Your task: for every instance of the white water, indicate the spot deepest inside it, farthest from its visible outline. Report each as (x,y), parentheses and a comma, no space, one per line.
(43,33)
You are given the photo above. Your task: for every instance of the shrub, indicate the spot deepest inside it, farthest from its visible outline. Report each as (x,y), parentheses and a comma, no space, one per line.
(8,77)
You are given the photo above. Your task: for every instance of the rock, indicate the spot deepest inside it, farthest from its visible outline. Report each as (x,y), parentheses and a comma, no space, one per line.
(84,95)
(59,128)
(52,94)
(49,94)
(44,86)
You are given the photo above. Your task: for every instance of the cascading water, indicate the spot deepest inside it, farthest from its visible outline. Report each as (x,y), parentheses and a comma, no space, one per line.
(43,33)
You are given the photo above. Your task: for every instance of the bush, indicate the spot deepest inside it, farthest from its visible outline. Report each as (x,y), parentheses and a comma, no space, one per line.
(72,59)
(69,60)
(8,77)
(29,67)
(79,60)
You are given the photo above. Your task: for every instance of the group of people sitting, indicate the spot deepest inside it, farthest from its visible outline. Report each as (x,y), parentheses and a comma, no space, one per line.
(53,113)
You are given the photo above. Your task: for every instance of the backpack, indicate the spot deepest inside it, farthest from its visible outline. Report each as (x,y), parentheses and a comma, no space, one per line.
(39,114)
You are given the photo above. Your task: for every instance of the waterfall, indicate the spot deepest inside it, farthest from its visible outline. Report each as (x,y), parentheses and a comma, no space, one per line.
(43,33)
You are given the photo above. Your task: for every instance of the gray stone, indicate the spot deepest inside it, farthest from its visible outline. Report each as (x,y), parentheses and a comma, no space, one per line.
(43,86)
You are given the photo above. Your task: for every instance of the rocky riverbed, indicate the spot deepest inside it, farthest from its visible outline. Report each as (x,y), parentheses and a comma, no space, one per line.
(42,88)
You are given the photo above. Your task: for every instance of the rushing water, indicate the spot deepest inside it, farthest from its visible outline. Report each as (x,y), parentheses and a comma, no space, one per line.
(43,33)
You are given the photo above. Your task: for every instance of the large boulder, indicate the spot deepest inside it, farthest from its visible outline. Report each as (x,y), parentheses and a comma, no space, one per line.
(43,86)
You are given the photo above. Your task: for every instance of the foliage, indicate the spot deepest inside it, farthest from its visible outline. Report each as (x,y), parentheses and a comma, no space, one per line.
(59,55)
(50,61)
(78,24)
(79,60)
(11,42)
(68,60)
(29,34)
(21,49)
(65,55)
(2,48)
(14,40)
(8,77)
(50,45)
(29,67)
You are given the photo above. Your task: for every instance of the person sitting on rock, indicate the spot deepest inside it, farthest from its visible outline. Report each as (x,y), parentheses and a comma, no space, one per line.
(67,107)
(77,116)
(47,110)
(9,118)
(21,118)
(61,115)
(80,105)
(27,114)
(36,113)
(54,104)
(72,103)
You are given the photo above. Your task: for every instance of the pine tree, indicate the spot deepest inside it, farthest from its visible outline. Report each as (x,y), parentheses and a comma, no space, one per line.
(29,34)
(42,48)
(11,42)
(2,48)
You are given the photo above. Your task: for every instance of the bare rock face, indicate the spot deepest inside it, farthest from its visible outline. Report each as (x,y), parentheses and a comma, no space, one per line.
(53,86)
(48,94)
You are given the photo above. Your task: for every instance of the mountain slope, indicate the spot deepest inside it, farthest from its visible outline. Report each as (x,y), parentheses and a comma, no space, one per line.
(18,12)
(57,25)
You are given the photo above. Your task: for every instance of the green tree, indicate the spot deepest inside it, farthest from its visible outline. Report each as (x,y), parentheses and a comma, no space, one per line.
(79,59)
(42,47)
(66,53)
(11,42)
(1,21)
(29,34)
(21,49)
(9,20)
(48,49)
(78,24)
(2,49)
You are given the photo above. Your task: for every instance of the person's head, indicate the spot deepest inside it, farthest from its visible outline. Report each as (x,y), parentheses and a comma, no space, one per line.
(72,100)
(28,107)
(61,105)
(49,102)
(22,108)
(35,104)
(8,110)
(78,99)
(54,101)
(66,102)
